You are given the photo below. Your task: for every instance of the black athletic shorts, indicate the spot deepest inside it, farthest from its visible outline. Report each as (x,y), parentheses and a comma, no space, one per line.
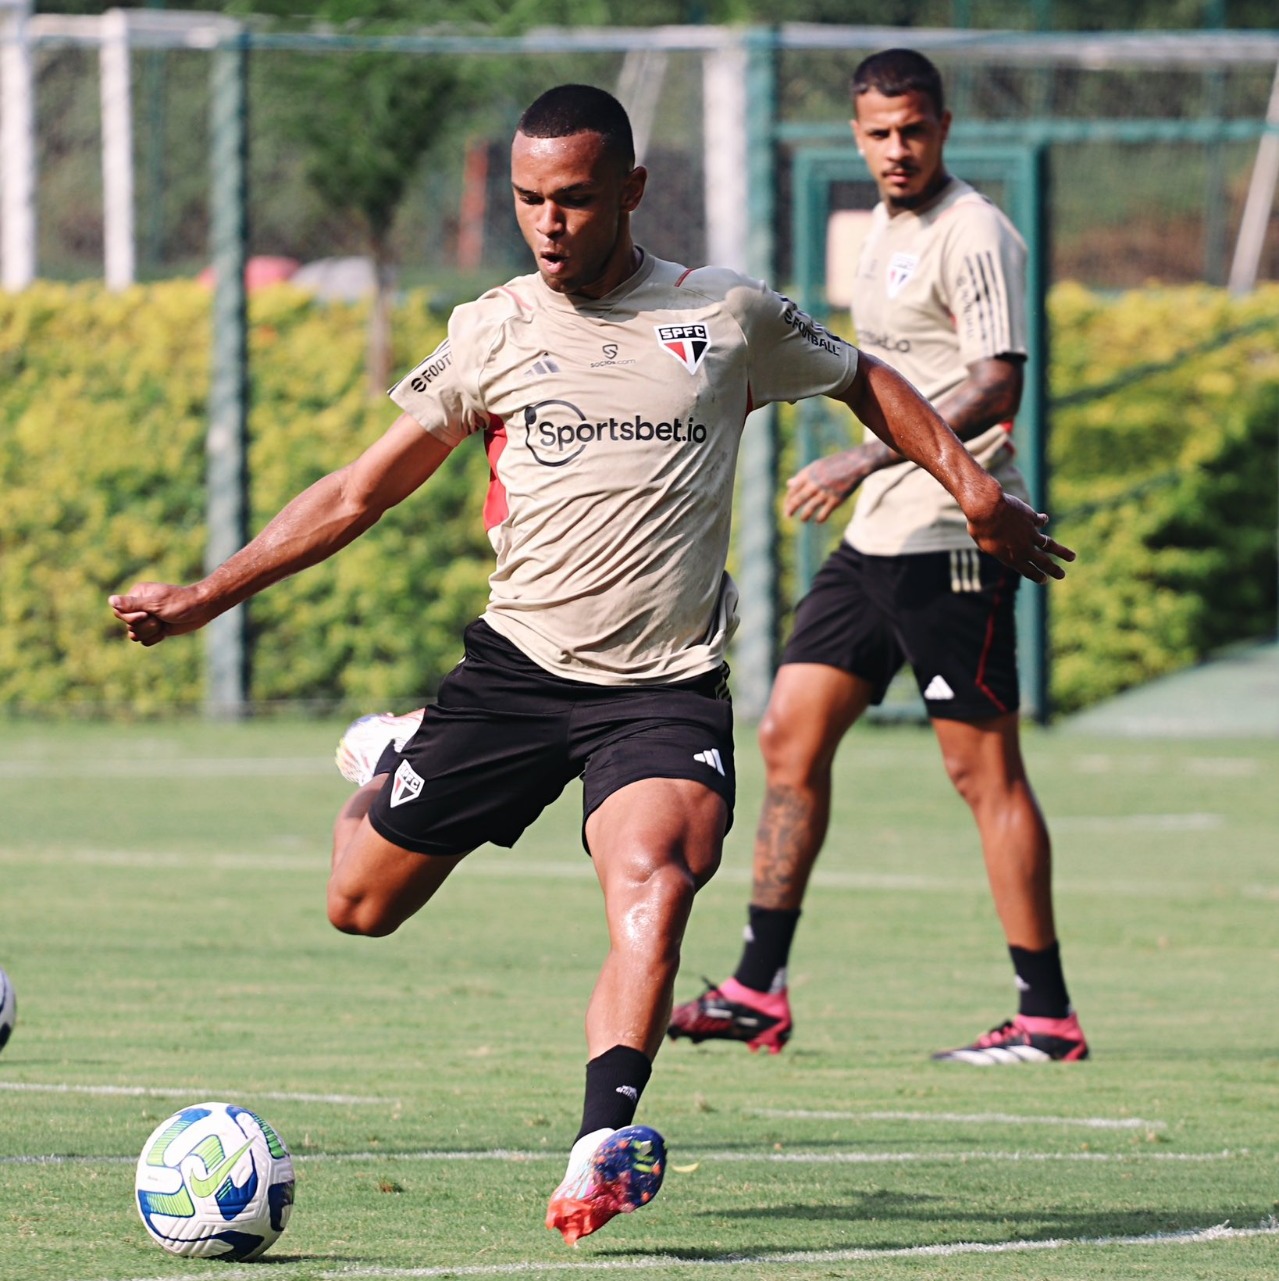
(505,737)
(949,615)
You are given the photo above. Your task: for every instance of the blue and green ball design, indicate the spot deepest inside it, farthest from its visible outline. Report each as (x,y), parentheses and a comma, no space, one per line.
(8,1008)
(214,1181)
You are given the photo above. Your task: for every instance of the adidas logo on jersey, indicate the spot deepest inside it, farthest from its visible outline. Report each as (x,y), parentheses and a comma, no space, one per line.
(712,758)
(938,689)
(540,368)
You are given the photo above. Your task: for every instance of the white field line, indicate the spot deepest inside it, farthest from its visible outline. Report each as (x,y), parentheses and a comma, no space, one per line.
(177,767)
(1147,764)
(197,1093)
(143,767)
(1192,822)
(733,1156)
(966,1118)
(496,866)
(816,1258)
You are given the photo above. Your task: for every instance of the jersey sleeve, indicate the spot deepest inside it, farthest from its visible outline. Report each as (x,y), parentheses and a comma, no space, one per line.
(791,356)
(441,392)
(984,275)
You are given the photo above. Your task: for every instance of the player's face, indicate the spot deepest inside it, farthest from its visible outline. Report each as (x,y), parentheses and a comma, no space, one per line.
(902,140)
(573,202)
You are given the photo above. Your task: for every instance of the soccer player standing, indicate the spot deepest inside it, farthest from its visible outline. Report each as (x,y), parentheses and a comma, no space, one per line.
(939,294)
(610,389)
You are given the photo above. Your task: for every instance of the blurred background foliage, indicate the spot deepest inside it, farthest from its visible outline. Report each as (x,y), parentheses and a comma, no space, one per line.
(1051,15)
(1164,461)
(1164,389)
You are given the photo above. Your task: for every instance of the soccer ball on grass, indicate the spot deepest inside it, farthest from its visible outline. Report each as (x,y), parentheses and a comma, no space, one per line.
(215,1181)
(8,1008)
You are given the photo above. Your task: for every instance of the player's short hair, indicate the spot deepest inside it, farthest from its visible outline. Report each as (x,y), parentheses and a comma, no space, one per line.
(895,72)
(569,109)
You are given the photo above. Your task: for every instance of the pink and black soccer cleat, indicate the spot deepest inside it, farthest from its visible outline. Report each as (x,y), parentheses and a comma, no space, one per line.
(1024,1039)
(734,1012)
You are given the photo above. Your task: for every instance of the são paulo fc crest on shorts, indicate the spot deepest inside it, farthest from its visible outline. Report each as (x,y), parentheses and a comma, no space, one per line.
(406,785)
(687,343)
(901,267)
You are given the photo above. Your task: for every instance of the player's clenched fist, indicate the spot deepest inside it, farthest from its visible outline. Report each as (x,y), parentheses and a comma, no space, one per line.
(152,611)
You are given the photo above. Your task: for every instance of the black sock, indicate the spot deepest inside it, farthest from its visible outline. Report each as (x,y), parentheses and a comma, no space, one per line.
(767,951)
(1040,982)
(614,1082)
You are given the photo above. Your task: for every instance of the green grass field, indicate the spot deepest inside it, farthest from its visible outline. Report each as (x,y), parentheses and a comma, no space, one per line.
(162,918)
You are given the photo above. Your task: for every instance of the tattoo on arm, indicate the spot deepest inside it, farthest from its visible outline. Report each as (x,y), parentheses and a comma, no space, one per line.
(989,395)
(975,405)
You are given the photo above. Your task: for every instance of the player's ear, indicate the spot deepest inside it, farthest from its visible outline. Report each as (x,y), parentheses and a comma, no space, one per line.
(633,188)
(946,118)
(857,138)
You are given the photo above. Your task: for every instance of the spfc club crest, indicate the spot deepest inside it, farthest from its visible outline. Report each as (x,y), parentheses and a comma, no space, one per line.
(406,785)
(687,343)
(901,267)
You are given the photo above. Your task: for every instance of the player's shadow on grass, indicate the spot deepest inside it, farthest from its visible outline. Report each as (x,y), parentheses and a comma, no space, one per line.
(875,1211)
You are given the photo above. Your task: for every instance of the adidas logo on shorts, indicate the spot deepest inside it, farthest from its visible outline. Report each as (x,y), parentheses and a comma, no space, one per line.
(712,758)
(938,689)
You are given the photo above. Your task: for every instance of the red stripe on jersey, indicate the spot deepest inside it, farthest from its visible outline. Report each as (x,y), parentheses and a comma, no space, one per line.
(688,271)
(495,505)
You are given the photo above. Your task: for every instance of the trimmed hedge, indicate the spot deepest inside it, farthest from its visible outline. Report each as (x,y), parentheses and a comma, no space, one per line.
(102,425)
(1163,454)
(1165,432)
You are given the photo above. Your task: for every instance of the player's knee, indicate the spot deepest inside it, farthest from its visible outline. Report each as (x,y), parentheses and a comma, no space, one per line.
(662,893)
(358,914)
(792,753)
(776,740)
(963,774)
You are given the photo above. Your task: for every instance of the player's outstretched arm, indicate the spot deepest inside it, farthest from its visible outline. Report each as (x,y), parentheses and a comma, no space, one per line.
(999,524)
(321,520)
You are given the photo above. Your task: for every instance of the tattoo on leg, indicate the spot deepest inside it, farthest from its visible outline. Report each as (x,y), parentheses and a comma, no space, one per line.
(784,846)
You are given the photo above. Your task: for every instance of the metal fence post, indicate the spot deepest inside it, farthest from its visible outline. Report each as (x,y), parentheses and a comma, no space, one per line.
(226,649)
(755,653)
(17,148)
(117,150)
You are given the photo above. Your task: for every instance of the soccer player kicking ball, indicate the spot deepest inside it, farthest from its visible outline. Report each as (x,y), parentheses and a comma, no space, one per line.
(610,389)
(940,292)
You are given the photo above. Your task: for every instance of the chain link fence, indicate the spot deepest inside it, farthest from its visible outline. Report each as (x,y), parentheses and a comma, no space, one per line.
(1152,157)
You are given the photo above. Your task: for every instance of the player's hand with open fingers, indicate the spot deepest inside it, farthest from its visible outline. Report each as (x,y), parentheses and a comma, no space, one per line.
(819,489)
(152,611)
(1013,532)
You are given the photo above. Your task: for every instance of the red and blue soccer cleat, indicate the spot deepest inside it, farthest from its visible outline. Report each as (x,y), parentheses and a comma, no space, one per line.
(610,1172)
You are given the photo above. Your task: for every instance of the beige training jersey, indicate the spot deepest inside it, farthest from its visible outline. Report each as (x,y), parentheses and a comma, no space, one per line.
(937,289)
(612,430)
